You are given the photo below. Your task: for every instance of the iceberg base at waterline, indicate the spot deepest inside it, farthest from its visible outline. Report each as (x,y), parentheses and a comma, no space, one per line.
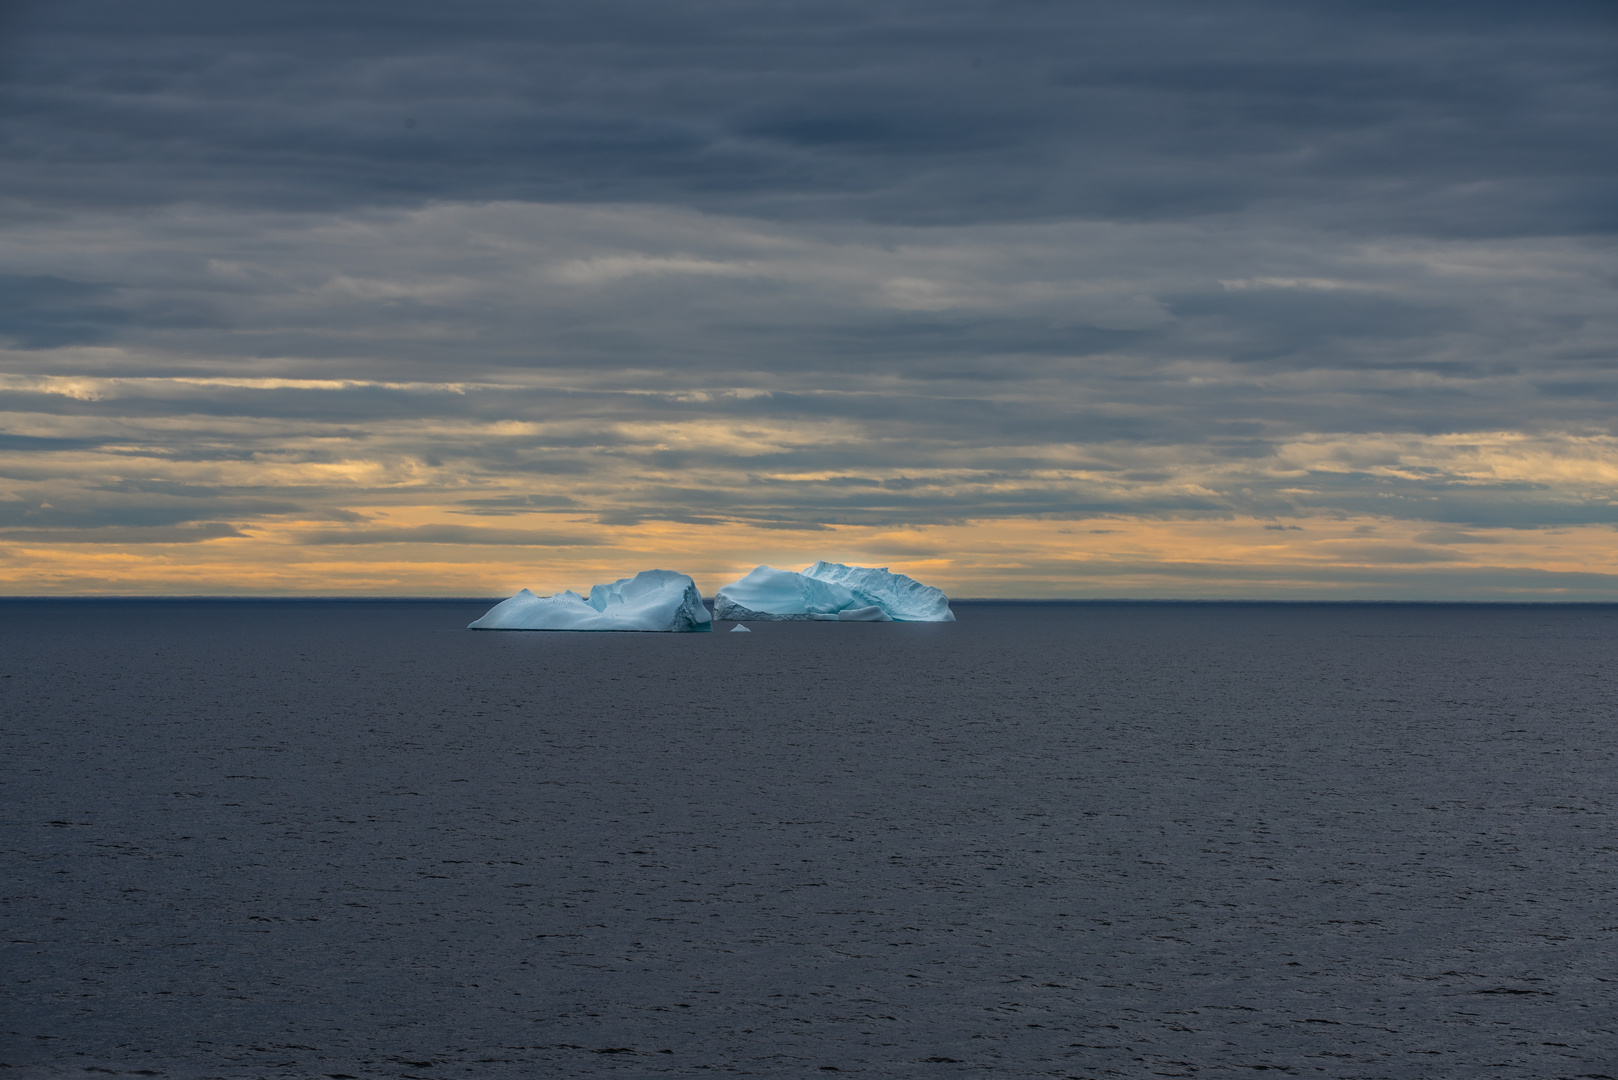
(831,592)
(652,600)
(874,613)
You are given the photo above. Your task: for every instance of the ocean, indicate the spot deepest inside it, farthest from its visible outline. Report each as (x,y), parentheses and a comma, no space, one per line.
(271,838)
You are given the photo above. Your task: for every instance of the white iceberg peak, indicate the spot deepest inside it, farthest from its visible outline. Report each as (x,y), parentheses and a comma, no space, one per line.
(651,600)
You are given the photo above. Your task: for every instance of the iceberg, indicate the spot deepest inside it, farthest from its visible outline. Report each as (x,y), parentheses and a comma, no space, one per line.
(768,593)
(659,600)
(831,592)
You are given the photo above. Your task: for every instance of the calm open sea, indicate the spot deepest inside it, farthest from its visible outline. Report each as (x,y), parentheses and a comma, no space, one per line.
(303,839)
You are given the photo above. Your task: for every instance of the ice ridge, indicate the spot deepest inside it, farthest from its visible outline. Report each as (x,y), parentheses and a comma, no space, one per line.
(654,600)
(831,591)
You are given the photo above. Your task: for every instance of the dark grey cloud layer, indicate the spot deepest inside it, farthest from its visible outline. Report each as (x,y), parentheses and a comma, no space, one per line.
(38,311)
(1434,119)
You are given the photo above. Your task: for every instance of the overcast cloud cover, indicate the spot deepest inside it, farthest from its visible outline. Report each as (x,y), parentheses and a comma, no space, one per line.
(1036,299)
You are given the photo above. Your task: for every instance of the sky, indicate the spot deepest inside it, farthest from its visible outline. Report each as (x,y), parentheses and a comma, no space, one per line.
(1264,300)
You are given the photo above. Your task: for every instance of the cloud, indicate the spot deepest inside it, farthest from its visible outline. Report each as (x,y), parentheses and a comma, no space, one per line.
(38,311)
(446,534)
(803,273)
(1453,119)
(1455,536)
(123,534)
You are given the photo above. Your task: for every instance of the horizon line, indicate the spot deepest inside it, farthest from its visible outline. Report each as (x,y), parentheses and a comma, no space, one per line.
(708,601)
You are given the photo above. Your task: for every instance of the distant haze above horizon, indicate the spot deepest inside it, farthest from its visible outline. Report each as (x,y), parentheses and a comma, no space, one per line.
(1023,299)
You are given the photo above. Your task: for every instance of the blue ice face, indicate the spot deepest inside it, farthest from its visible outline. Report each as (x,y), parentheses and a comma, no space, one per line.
(831,591)
(651,600)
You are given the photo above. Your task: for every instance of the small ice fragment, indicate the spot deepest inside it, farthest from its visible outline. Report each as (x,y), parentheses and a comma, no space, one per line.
(740,629)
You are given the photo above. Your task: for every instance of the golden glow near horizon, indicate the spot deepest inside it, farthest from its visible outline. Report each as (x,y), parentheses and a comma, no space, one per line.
(1102,557)
(402,507)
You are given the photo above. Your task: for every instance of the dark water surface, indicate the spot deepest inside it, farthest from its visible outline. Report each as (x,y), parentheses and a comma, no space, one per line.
(1095,840)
